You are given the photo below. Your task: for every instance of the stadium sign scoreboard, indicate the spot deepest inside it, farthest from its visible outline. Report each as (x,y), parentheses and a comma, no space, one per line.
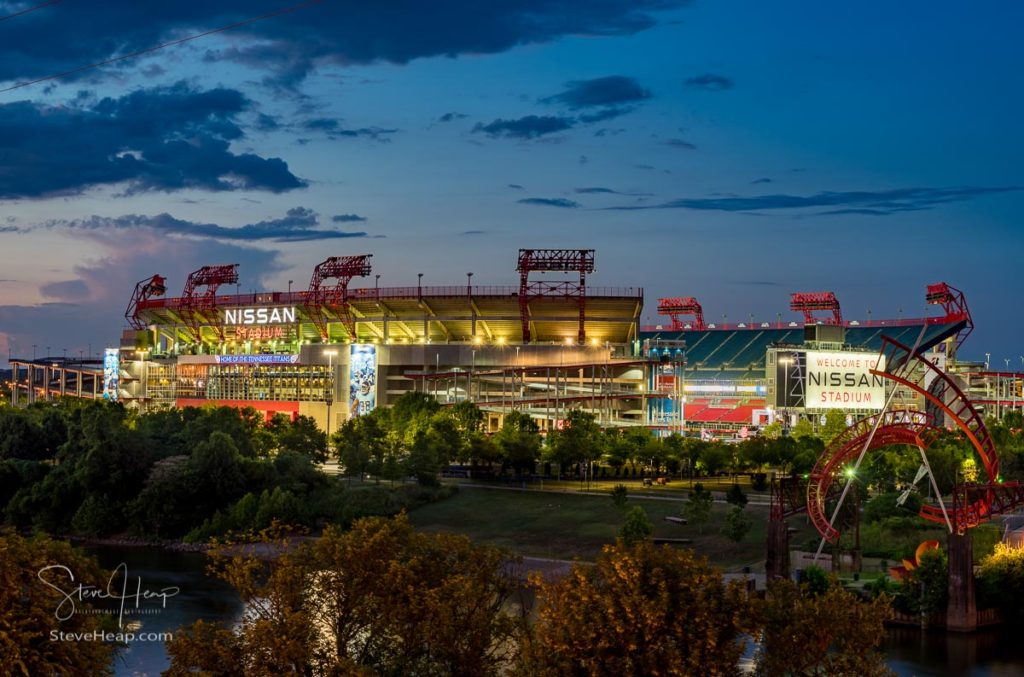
(843,380)
(259,316)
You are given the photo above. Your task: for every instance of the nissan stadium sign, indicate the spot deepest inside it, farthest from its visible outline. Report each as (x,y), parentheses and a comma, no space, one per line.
(258,316)
(837,380)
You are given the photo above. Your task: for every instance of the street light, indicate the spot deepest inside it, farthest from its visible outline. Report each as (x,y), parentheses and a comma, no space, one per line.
(330,392)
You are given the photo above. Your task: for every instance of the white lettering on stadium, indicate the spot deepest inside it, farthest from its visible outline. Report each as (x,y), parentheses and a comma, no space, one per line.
(243,316)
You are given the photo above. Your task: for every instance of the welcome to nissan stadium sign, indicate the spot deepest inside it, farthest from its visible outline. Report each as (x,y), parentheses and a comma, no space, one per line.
(837,380)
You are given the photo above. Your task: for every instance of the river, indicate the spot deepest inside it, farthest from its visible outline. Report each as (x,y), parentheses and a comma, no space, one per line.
(910,652)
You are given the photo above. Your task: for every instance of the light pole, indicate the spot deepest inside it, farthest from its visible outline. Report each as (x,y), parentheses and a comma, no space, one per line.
(472,369)
(330,390)
(437,370)
(419,286)
(290,289)
(376,286)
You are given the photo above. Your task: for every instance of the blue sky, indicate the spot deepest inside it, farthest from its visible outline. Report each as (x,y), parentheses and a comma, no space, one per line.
(733,150)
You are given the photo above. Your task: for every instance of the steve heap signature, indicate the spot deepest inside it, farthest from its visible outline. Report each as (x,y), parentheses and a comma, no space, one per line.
(79,592)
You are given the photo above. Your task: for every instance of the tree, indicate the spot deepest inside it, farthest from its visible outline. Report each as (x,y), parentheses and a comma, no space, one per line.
(578,441)
(735,496)
(833,633)
(304,436)
(468,416)
(697,507)
(620,495)
(640,610)
(379,599)
(637,527)
(925,590)
(737,524)
(802,429)
(1001,582)
(773,430)
(835,423)
(714,458)
(519,441)
(29,606)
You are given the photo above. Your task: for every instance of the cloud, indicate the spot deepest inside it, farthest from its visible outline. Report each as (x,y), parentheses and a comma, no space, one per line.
(876,203)
(347,218)
(299,224)
(65,290)
(529,127)
(600,190)
(515,186)
(681,144)
(761,180)
(333,129)
(606,114)
(160,139)
(550,202)
(288,47)
(472,232)
(612,90)
(709,82)
(126,257)
(448,117)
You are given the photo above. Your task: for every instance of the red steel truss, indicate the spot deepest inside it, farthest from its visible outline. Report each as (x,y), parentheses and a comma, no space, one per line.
(554,261)
(954,303)
(199,299)
(907,367)
(676,306)
(144,290)
(808,302)
(322,297)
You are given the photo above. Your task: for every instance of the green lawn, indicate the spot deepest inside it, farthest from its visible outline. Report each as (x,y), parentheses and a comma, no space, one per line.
(567,526)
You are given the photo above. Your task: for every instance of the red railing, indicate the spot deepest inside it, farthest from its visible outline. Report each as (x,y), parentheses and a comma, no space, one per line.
(756,326)
(452,291)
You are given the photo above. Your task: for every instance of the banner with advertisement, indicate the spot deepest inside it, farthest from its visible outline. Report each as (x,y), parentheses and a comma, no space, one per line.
(111,373)
(843,380)
(362,379)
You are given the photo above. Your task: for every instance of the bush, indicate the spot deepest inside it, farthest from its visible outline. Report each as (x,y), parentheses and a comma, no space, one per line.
(884,506)
(620,495)
(637,528)
(735,496)
(1001,582)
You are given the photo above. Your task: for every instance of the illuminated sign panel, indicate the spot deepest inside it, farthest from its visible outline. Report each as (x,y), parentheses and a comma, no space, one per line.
(257,359)
(362,379)
(837,380)
(249,316)
(111,373)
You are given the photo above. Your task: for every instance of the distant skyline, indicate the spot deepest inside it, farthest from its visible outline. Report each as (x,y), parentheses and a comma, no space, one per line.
(735,151)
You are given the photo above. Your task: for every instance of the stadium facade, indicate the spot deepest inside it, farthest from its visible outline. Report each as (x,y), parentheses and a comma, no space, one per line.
(547,345)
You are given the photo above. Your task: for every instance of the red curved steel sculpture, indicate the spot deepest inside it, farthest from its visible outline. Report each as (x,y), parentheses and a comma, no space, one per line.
(906,367)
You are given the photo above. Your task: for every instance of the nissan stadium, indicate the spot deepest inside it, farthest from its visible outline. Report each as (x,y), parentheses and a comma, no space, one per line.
(551,343)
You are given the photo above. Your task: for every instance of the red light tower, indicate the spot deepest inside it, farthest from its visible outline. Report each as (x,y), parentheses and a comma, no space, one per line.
(554,261)
(954,303)
(808,302)
(322,296)
(199,299)
(144,290)
(676,306)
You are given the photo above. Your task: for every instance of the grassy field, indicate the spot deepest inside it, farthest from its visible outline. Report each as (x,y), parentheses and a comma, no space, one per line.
(568,526)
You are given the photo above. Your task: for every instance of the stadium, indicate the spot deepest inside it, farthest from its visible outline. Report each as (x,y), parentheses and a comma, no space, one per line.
(543,346)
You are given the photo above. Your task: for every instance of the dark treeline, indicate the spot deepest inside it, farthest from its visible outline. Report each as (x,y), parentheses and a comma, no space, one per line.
(96,469)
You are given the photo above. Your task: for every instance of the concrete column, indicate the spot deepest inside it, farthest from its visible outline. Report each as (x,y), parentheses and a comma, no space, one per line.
(777,552)
(962,612)
(14,384)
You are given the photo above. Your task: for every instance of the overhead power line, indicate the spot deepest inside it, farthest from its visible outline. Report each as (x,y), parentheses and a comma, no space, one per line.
(29,10)
(171,43)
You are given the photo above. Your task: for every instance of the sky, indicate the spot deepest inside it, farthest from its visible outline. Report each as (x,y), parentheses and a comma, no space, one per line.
(734,150)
